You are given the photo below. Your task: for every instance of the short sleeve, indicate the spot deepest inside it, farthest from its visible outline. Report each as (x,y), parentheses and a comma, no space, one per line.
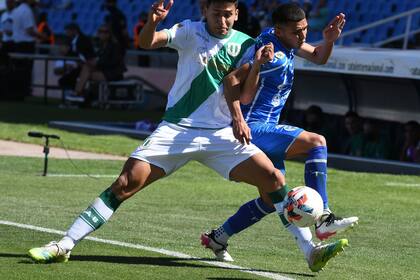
(179,35)
(247,57)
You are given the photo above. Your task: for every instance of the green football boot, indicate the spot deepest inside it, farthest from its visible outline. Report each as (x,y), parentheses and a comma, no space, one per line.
(321,254)
(50,253)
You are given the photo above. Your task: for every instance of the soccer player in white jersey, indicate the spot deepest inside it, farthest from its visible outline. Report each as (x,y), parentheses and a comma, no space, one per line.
(196,124)
(264,99)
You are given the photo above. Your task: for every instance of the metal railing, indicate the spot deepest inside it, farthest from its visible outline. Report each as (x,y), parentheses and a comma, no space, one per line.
(407,33)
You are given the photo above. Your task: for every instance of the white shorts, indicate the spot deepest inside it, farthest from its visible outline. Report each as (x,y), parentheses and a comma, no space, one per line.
(171,146)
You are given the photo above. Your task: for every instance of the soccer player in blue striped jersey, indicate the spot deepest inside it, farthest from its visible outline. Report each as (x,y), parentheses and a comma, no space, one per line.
(263,93)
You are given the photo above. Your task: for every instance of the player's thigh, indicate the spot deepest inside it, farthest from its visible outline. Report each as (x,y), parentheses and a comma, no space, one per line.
(135,176)
(274,141)
(259,171)
(304,143)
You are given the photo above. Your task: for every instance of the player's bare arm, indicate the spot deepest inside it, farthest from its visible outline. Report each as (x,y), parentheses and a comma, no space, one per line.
(244,81)
(149,37)
(249,88)
(320,54)
(232,91)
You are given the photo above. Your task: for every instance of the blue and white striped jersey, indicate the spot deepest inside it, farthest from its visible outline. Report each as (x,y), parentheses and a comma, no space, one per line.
(276,79)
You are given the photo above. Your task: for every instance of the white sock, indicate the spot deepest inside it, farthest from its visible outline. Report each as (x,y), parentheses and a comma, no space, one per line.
(97,214)
(67,243)
(303,238)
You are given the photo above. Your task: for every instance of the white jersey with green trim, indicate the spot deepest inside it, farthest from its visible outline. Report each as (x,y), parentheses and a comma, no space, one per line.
(196,98)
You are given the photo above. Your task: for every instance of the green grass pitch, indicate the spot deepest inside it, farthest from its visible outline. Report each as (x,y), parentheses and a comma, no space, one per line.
(172,213)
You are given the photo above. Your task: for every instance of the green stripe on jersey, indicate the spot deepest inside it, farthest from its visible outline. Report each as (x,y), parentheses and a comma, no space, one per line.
(209,80)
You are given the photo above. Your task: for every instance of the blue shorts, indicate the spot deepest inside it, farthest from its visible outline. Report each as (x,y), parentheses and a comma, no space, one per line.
(274,140)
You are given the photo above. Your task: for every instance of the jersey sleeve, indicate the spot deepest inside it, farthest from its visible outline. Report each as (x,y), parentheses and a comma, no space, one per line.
(178,35)
(247,57)
(259,42)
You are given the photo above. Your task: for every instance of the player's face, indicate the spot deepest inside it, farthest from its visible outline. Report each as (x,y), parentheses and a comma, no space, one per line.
(293,34)
(220,17)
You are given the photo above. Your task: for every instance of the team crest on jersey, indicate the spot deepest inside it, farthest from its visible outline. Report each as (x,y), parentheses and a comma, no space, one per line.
(276,100)
(233,49)
(279,55)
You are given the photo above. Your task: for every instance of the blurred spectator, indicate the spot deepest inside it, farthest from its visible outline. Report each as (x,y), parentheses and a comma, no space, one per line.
(370,143)
(352,140)
(247,23)
(108,64)
(24,36)
(319,18)
(143,60)
(6,30)
(375,144)
(314,121)
(78,45)
(118,23)
(43,28)
(411,148)
(6,46)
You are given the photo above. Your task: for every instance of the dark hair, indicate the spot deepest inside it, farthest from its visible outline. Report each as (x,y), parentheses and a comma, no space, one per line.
(287,12)
(222,1)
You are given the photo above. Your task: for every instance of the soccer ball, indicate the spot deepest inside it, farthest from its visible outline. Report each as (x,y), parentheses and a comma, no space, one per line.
(303,206)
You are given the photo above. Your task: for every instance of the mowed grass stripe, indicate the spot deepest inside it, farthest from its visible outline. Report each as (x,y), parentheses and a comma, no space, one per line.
(151,249)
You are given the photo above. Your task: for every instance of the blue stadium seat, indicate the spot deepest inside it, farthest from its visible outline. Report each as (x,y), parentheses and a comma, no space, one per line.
(359,12)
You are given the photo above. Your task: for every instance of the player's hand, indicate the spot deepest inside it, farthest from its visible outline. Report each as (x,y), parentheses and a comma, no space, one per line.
(159,12)
(241,131)
(334,28)
(264,54)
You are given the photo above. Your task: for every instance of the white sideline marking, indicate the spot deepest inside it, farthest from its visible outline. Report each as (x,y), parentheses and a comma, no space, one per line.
(269,275)
(83,175)
(396,184)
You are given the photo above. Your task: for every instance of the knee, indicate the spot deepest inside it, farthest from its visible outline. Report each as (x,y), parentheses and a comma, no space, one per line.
(317,140)
(274,180)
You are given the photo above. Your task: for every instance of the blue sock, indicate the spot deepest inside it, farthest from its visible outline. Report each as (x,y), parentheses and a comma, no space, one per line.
(247,215)
(316,172)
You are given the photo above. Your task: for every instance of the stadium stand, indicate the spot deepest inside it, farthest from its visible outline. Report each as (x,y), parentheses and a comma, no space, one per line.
(90,14)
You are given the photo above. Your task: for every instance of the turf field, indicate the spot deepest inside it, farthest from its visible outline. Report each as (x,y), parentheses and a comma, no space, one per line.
(171,214)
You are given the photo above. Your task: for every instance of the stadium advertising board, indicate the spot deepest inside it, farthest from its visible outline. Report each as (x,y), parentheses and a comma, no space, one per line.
(373,62)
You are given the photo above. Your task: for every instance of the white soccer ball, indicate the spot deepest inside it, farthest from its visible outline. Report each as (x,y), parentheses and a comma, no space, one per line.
(304,206)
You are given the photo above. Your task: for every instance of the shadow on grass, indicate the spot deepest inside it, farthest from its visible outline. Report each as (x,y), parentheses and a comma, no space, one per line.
(160,261)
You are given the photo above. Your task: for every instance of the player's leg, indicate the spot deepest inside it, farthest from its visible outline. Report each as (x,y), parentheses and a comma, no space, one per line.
(160,154)
(272,140)
(135,176)
(314,146)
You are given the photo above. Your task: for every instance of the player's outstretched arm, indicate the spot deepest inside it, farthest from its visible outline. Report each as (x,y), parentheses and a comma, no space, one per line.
(150,38)
(320,54)
(240,87)
(262,55)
